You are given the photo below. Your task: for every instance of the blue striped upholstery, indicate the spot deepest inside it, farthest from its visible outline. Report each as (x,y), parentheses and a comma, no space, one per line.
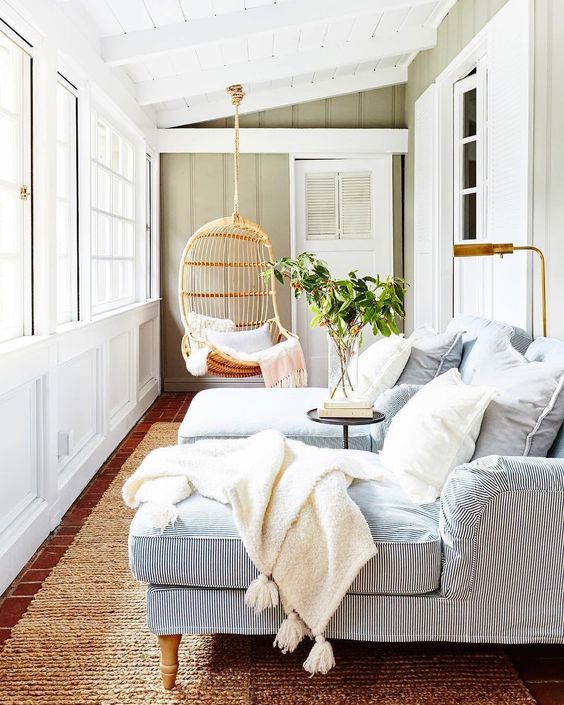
(238,413)
(203,549)
(503,580)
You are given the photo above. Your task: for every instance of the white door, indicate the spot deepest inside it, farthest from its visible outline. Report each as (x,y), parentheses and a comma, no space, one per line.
(344,216)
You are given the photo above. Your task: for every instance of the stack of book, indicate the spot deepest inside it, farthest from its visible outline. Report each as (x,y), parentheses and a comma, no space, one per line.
(345,408)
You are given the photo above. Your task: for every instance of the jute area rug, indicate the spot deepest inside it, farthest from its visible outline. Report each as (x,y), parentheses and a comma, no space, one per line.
(83,640)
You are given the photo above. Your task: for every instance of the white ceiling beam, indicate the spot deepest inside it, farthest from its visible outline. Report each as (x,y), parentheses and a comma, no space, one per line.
(145,44)
(264,100)
(284,141)
(211,80)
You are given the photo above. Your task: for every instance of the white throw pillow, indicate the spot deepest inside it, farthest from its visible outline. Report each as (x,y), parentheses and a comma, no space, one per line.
(381,364)
(244,341)
(200,325)
(435,432)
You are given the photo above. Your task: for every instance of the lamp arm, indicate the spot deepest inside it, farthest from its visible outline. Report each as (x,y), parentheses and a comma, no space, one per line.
(532,248)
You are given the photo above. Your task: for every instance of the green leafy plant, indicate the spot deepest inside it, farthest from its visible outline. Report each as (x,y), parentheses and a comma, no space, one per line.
(343,306)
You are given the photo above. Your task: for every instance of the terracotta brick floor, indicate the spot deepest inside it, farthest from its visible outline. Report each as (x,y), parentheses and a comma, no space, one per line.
(540,666)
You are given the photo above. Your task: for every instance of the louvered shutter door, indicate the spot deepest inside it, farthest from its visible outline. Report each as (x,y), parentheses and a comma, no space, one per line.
(508,62)
(356,205)
(425,289)
(322,213)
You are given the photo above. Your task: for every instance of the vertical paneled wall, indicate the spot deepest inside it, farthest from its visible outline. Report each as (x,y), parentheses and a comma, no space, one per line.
(548,158)
(197,188)
(463,22)
(381,107)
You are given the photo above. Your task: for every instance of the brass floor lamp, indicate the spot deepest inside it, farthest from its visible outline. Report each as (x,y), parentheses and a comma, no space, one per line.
(488,249)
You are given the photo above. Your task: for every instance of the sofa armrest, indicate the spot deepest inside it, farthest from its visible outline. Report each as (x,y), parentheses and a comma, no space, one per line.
(500,514)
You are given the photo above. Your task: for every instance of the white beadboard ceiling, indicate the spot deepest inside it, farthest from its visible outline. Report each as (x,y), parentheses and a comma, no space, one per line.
(181,54)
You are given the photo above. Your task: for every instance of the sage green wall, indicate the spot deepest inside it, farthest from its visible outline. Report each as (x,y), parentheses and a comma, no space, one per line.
(463,22)
(196,188)
(381,107)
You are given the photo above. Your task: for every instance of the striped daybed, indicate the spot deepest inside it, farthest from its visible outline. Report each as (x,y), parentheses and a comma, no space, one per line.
(485,563)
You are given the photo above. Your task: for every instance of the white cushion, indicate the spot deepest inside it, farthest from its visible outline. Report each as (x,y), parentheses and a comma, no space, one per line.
(435,432)
(200,325)
(245,341)
(381,364)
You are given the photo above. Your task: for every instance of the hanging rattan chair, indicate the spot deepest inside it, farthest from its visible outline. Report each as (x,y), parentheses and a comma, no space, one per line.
(221,277)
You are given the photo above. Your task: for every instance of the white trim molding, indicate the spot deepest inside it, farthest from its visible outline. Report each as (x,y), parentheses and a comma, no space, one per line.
(219,140)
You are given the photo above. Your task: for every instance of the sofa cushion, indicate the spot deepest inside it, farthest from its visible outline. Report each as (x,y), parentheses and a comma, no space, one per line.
(549,350)
(434,432)
(432,355)
(475,328)
(238,413)
(526,413)
(389,403)
(243,341)
(203,548)
(381,364)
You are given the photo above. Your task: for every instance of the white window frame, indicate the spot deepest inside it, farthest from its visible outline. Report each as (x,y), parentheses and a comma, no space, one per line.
(74,309)
(114,304)
(477,81)
(25,253)
(149,225)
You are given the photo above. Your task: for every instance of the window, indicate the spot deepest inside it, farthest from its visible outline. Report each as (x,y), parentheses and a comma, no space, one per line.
(67,212)
(339,205)
(469,158)
(15,181)
(113,218)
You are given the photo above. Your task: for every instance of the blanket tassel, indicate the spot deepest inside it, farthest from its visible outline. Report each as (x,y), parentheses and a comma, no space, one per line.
(321,658)
(291,632)
(261,593)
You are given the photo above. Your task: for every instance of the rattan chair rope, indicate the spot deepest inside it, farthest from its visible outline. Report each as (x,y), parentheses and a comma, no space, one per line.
(221,277)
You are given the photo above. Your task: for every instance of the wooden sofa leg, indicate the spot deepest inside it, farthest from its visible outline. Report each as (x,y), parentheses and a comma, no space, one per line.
(169,644)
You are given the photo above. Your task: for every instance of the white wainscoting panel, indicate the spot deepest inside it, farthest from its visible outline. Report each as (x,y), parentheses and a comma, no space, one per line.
(78,403)
(120,387)
(66,401)
(18,420)
(147,358)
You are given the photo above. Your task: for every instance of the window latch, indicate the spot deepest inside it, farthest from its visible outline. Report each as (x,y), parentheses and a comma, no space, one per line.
(24,193)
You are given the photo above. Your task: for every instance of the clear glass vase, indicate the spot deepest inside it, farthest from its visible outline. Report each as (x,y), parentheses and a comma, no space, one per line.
(343,367)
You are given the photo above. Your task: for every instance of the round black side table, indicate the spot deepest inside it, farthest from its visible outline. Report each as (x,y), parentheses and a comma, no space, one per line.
(345,422)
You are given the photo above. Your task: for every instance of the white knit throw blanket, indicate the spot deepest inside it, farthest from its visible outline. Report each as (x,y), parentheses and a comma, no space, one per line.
(305,535)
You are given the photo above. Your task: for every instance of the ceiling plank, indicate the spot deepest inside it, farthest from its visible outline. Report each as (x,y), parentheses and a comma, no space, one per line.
(264,100)
(139,46)
(208,81)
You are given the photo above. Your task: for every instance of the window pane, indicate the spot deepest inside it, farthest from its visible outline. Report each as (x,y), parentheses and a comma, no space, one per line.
(113,220)
(468,210)
(10,67)
(11,151)
(15,237)
(9,220)
(102,142)
(469,165)
(116,153)
(469,113)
